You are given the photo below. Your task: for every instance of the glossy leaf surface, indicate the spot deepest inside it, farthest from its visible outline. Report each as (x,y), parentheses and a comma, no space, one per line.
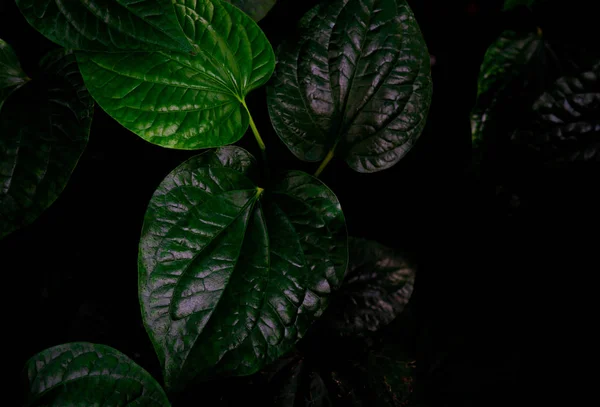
(379,282)
(181,100)
(566,126)
(107,25)
(11,74)
(231,276)
(41,144)
(355,81)
(83,374)
(257,9)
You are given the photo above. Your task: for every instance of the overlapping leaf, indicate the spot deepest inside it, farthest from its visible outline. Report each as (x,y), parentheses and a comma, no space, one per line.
(378,284)
(257,9)
(44,128)
(83,374)
(355,83)
(230,275)
(107,25)
(11,74)
(182,100)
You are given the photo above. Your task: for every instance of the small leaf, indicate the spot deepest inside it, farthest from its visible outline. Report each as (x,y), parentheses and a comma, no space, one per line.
(257,9)
(83,374)
(11,75)
(107,25)
(230,275)
(186,101)
(355,83)
(566,127)
(378,284)
(44,128)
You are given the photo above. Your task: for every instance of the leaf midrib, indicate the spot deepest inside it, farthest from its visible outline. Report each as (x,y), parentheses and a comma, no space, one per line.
(250,202)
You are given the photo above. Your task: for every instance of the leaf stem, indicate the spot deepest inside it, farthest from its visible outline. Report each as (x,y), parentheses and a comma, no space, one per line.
(259,140)
(328,158)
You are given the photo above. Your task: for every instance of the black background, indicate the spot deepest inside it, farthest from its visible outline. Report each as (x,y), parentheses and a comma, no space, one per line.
(495,294)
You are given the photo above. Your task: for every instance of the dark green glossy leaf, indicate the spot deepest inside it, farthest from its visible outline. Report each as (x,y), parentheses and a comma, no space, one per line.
(566,127)
(511,60)
(44,128)
(257,9)
(11,74)
(355,83)
(186,101)
(378,284)
(83,374)
(107,25)
(231,276)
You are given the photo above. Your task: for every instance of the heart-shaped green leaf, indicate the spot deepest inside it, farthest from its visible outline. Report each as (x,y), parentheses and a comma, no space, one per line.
(107,25)
(355,83)
(11,74)
(180,100)
(379,282)
(230,275)
(44,128)
(566,126)
(83,374)
(257,9)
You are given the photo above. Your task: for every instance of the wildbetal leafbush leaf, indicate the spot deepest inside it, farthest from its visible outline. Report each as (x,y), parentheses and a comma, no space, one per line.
(566,124)
(355,83)
(186,100)
(84,374)
(44,128)
(257,9)
(517,72)
(11,75)
(510,68)
(231,275)
(107,25)
(378,284)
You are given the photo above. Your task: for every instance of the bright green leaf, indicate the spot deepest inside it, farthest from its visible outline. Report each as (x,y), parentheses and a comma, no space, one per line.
(231,275)
(107,25)
(378,284)
(355,81)
(44,128)
(185,101)
(83,374)
(11,74)
(257,9)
